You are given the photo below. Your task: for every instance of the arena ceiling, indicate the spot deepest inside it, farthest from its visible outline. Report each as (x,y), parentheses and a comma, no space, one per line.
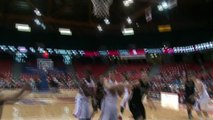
(190,18)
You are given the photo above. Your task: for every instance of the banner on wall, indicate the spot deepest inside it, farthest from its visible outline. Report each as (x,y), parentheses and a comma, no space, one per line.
(170,101)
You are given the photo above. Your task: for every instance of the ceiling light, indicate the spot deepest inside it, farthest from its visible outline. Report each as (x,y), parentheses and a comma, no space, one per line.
(160,8)
(37,21)
(165,5)
(129,21)
(106,21)
(127,3)
(43,26)
(172,3)
(128,31)
(99,28)
(23,27)
(37,12)
(65,31)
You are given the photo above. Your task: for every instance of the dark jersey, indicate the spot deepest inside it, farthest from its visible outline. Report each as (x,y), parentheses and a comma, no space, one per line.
(99,91)
(189,88)
(140,91)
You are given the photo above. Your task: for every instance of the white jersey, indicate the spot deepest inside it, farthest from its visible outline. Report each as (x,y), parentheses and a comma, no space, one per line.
(204,92)
(109,96)
(109,105)
(203,100)
(82,104)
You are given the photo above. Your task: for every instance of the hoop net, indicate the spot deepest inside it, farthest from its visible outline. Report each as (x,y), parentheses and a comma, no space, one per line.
(101,8)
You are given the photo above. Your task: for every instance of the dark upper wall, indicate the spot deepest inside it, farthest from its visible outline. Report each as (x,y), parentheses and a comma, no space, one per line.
(88,40)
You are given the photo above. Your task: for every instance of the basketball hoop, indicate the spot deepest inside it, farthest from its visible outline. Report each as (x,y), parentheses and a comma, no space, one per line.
(101,8)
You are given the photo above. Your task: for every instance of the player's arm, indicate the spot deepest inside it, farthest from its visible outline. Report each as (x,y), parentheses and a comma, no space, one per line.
(194,94)
(114,88)
(15,95)
(58,82)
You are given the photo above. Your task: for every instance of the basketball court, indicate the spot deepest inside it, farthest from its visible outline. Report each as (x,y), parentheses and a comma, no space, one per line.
(59,106)
(53,44)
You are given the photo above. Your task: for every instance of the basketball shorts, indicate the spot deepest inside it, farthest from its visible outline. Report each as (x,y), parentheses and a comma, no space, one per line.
(189,100)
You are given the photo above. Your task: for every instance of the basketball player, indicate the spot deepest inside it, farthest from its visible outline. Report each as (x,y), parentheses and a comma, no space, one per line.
(82,106)
(109,102)
(189,96)
(4,98)
(203,98)
(99,94)
(140,89)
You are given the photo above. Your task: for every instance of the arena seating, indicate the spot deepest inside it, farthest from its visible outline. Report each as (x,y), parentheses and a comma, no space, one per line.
(167,80)
(95,69)
(132,71)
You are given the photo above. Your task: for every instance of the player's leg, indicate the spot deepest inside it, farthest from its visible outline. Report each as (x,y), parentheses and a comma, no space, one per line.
(143,111)
(77,110)
(205,113)
(198,109)
(189,107)
(204,107)
(135,110)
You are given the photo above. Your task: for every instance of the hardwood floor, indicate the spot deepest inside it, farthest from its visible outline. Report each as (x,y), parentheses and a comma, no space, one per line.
(59,106)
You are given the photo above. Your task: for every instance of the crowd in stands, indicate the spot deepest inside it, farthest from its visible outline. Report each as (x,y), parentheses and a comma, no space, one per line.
(169,78)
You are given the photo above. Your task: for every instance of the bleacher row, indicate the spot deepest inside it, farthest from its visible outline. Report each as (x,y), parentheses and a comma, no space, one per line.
(168,80)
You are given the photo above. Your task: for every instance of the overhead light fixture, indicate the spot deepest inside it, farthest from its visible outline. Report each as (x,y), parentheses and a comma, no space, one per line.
(37,12)
(172,3)
(37,21)
(106,21)
(160,7)
(23,27)
(65,31)
(43,26)
(165,5)
(127,3)
(129,21)
(99,28)
(128,31)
